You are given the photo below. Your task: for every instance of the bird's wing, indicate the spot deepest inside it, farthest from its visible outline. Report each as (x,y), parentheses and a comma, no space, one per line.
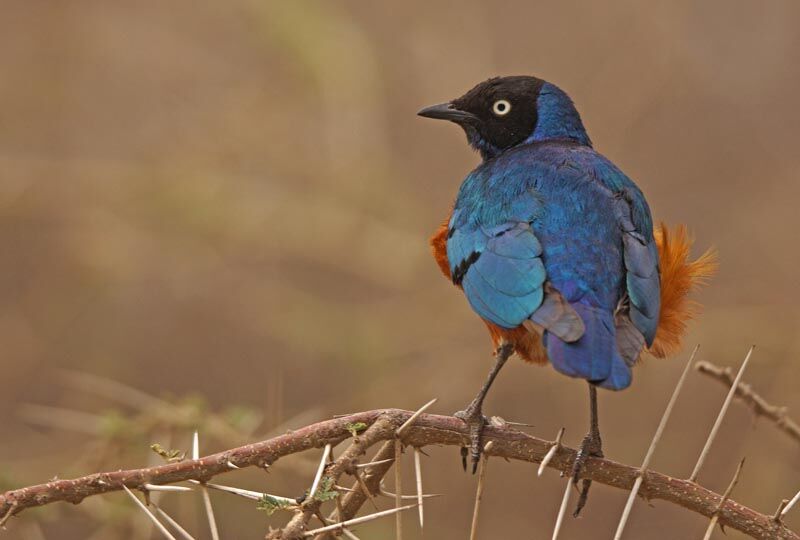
(500,269)
(642,276)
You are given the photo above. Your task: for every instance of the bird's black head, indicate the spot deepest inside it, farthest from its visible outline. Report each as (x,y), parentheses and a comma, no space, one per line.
(503,112)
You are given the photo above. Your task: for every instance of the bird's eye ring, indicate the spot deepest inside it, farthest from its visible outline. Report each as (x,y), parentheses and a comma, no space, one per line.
(501,107)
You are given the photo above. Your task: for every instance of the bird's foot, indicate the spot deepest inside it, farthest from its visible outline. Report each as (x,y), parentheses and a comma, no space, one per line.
(473,417)
(591,446)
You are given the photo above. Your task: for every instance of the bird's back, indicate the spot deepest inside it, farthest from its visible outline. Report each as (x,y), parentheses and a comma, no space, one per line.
(574,204)
(578,207)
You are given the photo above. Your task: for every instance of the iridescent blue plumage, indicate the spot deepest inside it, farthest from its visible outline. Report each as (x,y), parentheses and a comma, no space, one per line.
(550,216)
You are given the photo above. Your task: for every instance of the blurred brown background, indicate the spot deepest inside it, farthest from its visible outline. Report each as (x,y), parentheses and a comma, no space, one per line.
(226,205)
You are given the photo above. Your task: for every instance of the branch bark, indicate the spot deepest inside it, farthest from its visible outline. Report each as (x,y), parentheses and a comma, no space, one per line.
(427,430)
(759,405)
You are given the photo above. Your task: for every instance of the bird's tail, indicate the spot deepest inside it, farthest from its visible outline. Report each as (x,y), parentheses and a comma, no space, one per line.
(594,356)
(679,276)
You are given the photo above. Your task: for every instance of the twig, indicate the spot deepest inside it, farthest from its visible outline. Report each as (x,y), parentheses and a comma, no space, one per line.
(746,393)
(651,450)
(427,430)
(355,498)
(713,434)
(383,427)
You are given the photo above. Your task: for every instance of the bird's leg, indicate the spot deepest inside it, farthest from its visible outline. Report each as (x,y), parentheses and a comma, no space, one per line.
(473,415)
(591,446)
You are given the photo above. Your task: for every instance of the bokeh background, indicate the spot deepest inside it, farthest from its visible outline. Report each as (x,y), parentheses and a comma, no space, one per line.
(226,206)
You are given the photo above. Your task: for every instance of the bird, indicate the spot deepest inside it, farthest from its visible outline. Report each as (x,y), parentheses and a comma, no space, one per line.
(556,250)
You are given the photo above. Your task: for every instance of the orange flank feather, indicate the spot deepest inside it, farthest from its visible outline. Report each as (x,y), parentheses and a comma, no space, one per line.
(439,248)
(679,276)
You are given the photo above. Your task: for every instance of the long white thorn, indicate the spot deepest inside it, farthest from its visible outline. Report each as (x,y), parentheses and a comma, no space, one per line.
(718,422)
(212,521)
(386,493)
(473,531)
(420,498)
(156,487)
(356,521)
(715,518)
(550,453)
(650,451)
(196,446)
(411,419)
(563,509)
(629,505)
(247,494)
(174,524)
(711,525)
(398,449)
(364,488)
(320,470)
(373,463)
(153,518)
(790,504)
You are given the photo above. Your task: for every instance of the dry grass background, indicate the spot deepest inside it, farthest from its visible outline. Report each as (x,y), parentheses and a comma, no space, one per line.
(231,200)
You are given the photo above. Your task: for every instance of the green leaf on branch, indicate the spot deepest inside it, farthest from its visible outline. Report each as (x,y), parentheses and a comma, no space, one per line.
(170,456)
(270,504)
(354,428)
(325,491)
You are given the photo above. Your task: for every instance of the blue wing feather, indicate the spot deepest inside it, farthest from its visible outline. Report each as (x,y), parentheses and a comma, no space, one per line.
(642,277)
(504,284)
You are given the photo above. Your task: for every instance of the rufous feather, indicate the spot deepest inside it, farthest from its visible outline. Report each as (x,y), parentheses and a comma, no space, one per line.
(679,276)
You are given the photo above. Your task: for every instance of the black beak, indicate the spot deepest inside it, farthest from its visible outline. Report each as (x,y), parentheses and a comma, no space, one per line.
(446,111)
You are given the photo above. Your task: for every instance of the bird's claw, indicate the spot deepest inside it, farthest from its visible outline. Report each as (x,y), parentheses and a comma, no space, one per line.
(591,446)
(464,454)
(475,420)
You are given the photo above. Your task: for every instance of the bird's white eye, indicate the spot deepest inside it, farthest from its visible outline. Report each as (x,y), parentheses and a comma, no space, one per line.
(501,107)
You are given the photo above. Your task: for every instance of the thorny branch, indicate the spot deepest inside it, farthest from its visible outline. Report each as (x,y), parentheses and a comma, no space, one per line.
(379,430)
(758,404)
(427,430)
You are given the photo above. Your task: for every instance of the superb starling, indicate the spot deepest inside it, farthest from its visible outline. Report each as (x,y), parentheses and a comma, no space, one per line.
(554,248)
